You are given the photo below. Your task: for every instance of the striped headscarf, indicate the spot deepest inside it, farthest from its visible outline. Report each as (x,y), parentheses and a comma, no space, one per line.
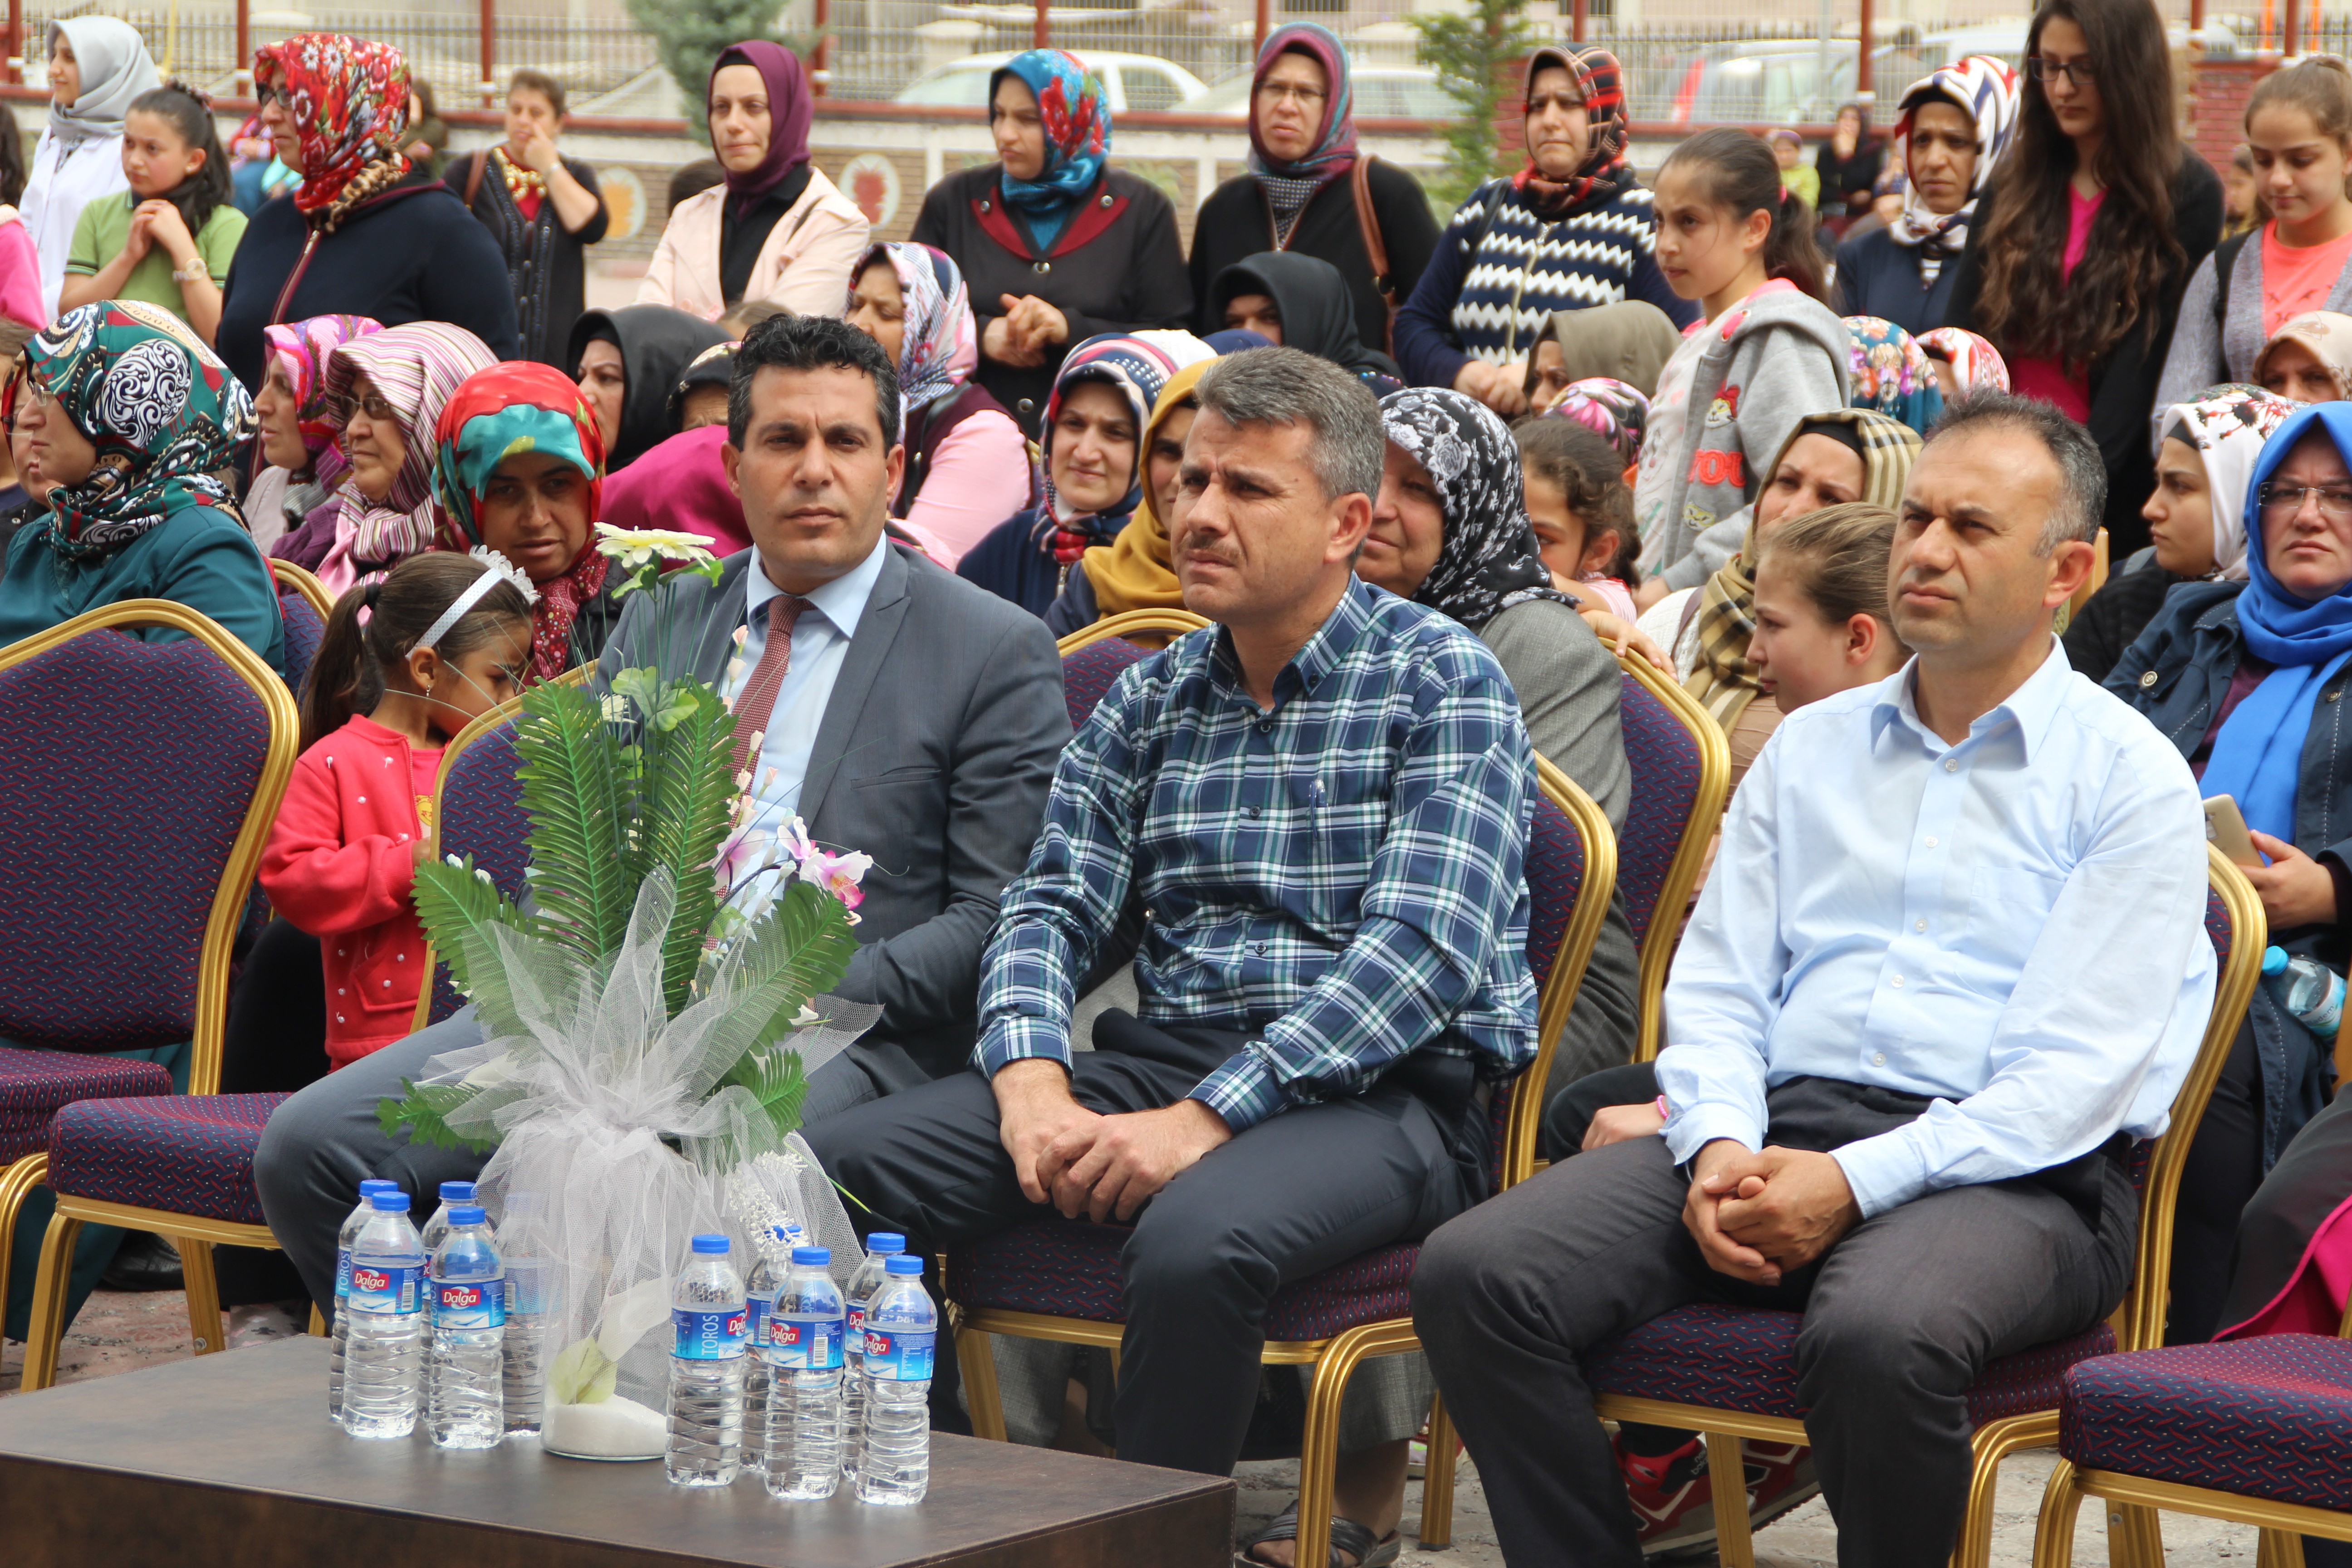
(1138,368)
(1607,407)
(1724,680)
(416,368)
(1600,83)
(349,98)
(1984,89)
(1331,150)
(940,348)
(1890,373)
(303,349)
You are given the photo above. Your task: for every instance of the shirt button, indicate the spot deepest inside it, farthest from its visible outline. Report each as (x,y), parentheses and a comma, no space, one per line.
(1252,814)
(1897,983)
(1931,841)
(2147,679)
(1041,267)
(1919,925)
(1878,1058)
(1951,766)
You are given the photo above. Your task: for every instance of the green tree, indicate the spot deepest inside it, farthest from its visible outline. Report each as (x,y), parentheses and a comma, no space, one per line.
(1470,51)
(689,33)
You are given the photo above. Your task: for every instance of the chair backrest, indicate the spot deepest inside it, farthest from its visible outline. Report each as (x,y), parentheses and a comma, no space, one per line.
(303,581)
(305,629)
(1682,775)
(1093,657)
(138,784)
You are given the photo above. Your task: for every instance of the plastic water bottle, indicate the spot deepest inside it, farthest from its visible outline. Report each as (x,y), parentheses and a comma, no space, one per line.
(880,1248)
(767,1278)
(902,1332)
(466,1363)
(803,1350)
(705,1370)
(2306,988)
(341,1332)
(531,1288)
(436,1232)
(382,1359)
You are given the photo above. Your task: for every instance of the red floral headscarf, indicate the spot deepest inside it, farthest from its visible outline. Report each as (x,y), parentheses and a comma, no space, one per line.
(349,98)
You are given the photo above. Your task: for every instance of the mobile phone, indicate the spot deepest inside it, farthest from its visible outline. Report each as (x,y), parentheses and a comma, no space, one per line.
(2225,829)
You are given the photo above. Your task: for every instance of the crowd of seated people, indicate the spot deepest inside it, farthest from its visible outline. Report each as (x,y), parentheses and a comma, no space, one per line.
(1945,965)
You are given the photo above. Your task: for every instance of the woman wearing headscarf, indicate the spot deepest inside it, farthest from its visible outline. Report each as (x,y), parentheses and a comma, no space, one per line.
(388,391)
(123,408)
(2243,677)
(296,429)
(97,65)
(1630,342)
(1092,438)
(629,363)
(1300,302)
(365,234)
(1956,124)
(1891,373)
(518,467)
(1569,231)
(2196,519)
(1301,191)
(1056,246)
(2308,359)
(775,228)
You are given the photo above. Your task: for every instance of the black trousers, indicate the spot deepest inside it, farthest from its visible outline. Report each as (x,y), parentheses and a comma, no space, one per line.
(275,1043)
(1299,1192)
(1900,1317)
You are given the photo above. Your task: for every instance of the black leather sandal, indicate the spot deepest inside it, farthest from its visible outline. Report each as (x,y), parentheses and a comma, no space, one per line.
(1347,1536)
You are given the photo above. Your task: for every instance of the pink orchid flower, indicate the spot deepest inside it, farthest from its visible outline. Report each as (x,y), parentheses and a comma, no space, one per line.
(838,875)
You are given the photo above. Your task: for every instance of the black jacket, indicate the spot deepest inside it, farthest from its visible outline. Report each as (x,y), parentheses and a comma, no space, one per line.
(2123,384)
(1842,177)
(1235,222)
(1876,276)
(1117,268)
(1310,297)
(2115,616)
(547,266)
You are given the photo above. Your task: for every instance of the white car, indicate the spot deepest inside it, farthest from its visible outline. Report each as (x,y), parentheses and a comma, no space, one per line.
(1399,92)
(1133,81)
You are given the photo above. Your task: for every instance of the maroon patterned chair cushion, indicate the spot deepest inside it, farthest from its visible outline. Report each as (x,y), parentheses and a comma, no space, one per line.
(482,815)
(35,1085)
(304,632)
(1089,673)
(189,1154)
(1665,762)
(1738,1358)
(2267,1417)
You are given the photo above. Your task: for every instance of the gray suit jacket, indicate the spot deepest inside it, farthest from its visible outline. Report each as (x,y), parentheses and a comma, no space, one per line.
(934,756)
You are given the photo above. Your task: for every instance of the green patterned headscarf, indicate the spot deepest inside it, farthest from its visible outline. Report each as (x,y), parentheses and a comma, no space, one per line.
(165,412)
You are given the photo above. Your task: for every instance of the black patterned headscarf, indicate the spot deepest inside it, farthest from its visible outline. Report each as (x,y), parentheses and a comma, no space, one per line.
(1489,559)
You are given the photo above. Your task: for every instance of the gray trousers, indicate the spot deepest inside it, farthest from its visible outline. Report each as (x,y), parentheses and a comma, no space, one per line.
(1901,1316)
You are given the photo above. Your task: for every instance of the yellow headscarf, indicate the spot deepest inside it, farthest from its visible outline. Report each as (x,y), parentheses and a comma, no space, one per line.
(1136,571)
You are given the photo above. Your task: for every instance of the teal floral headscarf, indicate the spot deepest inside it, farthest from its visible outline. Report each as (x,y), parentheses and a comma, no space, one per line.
(1891,373)
(1074,112)
(165,412)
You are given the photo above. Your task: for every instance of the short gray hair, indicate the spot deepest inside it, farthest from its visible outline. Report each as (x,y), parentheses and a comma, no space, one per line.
(1284,386)
(2081,472)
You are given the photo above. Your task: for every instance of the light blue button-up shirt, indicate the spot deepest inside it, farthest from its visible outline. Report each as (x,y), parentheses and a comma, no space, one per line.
(2013,925)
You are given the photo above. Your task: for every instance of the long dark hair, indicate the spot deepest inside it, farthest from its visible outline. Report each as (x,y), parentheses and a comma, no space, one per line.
(12,158)
(1736,170)
(190,112)
(347,673)
(2133,271)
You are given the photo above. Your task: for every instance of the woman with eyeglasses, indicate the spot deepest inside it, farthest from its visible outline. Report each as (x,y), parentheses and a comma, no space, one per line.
(1301,191)
(366,232)
(1573,229)
(2090,235)
(2246,678)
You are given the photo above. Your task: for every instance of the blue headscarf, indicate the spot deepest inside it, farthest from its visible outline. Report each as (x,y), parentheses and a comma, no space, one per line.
(1076,114)
(2258,756)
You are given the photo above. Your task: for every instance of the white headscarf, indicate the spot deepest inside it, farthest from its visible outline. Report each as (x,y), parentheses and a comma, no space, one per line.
(2228,426)
(1986,89)
(115,70)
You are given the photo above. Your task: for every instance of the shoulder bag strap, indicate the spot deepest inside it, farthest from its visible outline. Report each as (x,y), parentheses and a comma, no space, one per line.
(1369,226)
(474,176)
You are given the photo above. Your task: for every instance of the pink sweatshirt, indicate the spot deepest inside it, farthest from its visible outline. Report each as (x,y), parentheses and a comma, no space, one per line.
(20,275)
(980,477)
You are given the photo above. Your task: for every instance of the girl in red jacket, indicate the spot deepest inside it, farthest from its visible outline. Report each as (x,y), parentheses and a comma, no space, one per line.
(406,662)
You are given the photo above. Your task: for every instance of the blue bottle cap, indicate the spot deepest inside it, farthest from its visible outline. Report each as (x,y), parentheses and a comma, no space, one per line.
(2274,961)
(886,1242)
(393,1202)
(904,1264)
(811,1257)
(466,1213)
(377,1185)
(712,1246)
(457,1192)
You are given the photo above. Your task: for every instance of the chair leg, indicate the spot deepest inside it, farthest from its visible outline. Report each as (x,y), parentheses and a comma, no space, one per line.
(204,1295)
(2135,1536)
(2279,1549)
(16,1184)
(318,1322)
(48,1325)
(1733,1543)
(1437,1478)
(1318,1448)
(2054,1532)
(1993,1444)
(976,1365)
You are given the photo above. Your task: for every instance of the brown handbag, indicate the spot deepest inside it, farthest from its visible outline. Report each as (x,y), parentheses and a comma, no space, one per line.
(1369,226)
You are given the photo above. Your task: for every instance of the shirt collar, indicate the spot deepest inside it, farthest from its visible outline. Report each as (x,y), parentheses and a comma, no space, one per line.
(841,601)
(1320,652)
(2032,707)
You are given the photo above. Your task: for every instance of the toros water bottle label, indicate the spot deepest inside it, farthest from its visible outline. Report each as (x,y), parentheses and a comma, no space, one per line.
(378,1288)
(469,1304)
(342,1272)
(904,1354)
(804,1344)
(710,1336)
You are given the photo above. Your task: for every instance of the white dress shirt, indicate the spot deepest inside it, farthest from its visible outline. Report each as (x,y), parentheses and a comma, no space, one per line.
(2013,925)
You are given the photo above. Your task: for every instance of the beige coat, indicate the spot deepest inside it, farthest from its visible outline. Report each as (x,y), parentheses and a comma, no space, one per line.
(805,267)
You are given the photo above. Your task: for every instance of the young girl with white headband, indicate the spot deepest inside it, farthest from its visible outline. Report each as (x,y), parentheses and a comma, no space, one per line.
(406,663)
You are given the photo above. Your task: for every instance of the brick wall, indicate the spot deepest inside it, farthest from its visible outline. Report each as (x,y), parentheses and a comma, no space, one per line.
(2217,90)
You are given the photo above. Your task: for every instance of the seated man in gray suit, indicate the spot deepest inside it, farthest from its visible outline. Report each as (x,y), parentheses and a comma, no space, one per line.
(902,711)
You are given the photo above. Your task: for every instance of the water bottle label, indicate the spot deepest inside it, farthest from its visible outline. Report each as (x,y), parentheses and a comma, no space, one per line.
(343,1273)
(399,1289)
(709,1336)
(904,1354)
(474,1304)
(755,1318)
(526,1289)
(856,1320)
(804,1344)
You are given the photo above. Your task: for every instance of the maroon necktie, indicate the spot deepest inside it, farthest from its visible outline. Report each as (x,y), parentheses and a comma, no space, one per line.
(756,705)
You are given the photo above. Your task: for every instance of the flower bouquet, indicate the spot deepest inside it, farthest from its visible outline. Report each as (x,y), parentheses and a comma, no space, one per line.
(650,1022)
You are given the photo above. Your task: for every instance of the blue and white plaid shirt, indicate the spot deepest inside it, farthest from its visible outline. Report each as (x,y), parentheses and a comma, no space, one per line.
(1341,876)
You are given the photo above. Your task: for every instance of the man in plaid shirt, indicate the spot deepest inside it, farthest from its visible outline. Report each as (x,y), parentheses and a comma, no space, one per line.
(1316,814)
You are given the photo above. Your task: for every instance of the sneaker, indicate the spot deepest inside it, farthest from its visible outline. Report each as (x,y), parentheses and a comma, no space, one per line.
(257,1324)
(1673,1497)
(1779,1477)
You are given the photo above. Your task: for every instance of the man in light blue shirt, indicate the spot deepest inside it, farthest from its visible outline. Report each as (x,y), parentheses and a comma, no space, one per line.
(1949,965)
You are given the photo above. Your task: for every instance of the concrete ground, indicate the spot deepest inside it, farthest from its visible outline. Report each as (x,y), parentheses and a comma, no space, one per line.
(122,1334)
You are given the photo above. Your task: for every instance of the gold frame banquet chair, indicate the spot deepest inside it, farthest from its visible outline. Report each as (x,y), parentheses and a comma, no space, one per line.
(1660,935)
(305,582)
(1175,623)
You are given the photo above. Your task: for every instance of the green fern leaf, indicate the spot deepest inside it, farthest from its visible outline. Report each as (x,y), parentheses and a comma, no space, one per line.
(689,788)
(774,1078)
(585,867)
(424,1111)
(459,906)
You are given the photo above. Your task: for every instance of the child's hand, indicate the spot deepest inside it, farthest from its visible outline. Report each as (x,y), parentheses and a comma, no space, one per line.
(1621,635)
(167,228)
(140,239)
(421,851)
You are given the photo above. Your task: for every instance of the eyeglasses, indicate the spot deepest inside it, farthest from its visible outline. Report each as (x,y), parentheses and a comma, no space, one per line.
(1284,93)
(2078,72)
(373,405)
(2281,502)
(265,94)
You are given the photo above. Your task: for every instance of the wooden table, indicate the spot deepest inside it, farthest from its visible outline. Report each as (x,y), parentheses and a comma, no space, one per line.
(230,1460)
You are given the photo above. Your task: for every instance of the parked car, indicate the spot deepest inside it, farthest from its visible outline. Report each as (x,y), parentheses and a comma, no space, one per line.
(1143,82)
(1399,92)
(1782,81)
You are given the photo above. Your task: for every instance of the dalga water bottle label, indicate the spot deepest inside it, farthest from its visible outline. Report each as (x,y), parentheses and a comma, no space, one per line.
(755,1318)
(710,1336)
(804,1344)
(904,1355)
(473,1304)
(342,1272)
(382,1289)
